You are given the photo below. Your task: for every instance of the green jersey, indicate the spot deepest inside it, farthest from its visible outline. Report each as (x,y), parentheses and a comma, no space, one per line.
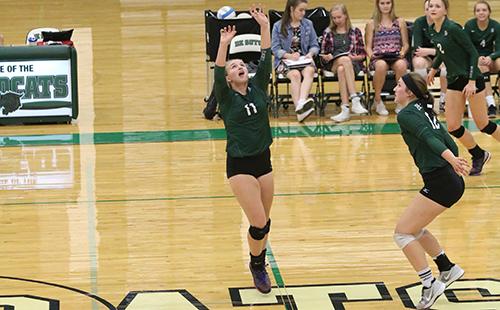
(420,34)
(425,136)
(246,117)
(455,48)
(487,41)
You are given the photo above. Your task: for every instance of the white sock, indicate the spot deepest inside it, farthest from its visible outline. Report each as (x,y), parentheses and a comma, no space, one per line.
(490,100)
(426,277)
(299,105)
(422,72)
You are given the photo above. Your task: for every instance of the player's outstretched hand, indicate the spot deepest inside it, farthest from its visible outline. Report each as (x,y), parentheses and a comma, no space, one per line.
(258,14)
(227,34)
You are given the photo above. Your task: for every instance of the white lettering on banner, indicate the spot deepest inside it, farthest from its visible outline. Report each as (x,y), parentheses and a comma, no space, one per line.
(35,67)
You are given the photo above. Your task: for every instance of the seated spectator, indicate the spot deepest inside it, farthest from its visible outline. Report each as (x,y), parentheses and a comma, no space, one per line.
(484,33)
(292,37)
(424,52)
(343,52)
(386,44)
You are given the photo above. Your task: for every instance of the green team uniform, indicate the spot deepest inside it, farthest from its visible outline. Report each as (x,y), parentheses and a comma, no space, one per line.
(487,42)
(246,117)
(425,136)
(420,34)
(455,48)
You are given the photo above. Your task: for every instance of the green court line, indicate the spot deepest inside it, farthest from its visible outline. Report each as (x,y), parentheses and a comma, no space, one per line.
(274,266)
(231,196)
(278,279)
(321,130)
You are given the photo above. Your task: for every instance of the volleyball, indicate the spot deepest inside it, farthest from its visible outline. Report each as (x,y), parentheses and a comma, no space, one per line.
(243,15)
(226,12)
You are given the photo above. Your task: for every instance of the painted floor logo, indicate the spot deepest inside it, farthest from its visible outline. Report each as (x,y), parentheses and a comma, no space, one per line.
(470,294)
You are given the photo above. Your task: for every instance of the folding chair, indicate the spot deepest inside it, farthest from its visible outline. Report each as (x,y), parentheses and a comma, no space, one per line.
(495,86)
(213,25)
(327,76)
(247,48)
(321,19)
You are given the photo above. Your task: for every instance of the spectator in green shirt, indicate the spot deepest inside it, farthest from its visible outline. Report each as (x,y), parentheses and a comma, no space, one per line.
(424,52)
(465,81)
(436,156)
(484,33)
(244,109)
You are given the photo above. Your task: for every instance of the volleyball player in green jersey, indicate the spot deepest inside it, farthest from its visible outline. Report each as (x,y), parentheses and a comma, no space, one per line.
(244,109)
(464,81)
(484,33)
(435,155)
(424,52)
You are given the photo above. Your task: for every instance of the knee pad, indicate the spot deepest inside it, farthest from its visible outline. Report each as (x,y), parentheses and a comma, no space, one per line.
(259,233)
(458,133)
(486,76)
(403,240)
(420,234)
(490,128)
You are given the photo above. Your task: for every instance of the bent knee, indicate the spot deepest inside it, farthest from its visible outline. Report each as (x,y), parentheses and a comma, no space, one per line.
(381,65)
(293,75)
(308,71)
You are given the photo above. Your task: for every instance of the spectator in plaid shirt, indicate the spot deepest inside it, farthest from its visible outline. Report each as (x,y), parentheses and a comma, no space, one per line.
(343,52)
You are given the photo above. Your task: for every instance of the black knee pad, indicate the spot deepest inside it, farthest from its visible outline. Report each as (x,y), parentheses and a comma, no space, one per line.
(490,128)
(486,76)
(259,233)
(458,133)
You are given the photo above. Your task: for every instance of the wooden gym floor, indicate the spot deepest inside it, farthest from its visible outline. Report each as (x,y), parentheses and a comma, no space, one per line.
(129,207)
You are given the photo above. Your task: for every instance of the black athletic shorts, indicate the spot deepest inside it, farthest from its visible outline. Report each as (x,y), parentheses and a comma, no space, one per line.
(443,186)
(462,81)
(257,165)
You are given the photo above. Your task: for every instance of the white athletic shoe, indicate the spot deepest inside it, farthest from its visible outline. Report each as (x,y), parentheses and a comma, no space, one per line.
(452,275)
(356,106)
(380,109)
(429,295)
(343,116)
(304,105)
(302,116)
